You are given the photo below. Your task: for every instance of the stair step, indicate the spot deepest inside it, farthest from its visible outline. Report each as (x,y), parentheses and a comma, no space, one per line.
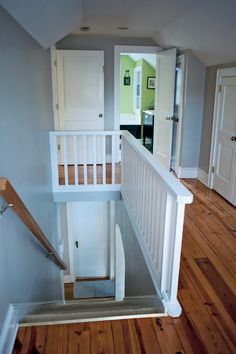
(80,311)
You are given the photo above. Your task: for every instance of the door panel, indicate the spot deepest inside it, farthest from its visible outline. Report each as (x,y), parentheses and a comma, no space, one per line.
(164,106)
(90,239)
(225,170)
(80,89)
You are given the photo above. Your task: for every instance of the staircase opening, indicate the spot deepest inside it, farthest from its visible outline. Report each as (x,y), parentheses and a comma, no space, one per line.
(103,252)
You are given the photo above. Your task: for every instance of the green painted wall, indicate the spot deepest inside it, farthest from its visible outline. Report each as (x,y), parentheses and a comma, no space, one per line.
(126,92)
(148,95)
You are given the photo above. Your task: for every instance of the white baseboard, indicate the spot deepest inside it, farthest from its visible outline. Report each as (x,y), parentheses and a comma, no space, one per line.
(193,172)
(9,331)
(11,323)
(188,172)
(69,279)
(202,177)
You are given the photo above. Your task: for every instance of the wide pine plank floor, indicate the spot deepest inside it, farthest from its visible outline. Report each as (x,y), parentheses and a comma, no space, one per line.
(207,290)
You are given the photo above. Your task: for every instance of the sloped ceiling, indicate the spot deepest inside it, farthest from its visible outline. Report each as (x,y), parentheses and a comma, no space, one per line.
(206,27)
(47,21)
(209,30)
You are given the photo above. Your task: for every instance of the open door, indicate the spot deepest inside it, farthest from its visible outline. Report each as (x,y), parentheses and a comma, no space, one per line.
(164,106)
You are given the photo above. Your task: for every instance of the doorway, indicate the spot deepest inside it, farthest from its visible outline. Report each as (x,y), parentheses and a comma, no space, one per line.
(153,122)
(137,95)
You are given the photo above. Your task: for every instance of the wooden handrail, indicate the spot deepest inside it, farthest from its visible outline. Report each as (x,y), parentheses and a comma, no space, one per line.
(8,193)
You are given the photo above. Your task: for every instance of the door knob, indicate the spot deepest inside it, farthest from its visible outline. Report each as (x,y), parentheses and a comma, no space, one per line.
(233,138)
(100,115)
(76,244)
(175,119)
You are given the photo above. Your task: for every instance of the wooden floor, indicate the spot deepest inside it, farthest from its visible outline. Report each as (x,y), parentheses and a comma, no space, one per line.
(90,174)
(207,290)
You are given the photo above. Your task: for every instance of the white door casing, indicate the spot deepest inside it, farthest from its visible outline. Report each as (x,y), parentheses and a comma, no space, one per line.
(223,151)
(164,106)
(179,104)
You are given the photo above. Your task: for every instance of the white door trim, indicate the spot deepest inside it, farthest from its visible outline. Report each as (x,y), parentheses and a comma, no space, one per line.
(220,73)
(117,51)
(181,59)
(53,57)
(70,278)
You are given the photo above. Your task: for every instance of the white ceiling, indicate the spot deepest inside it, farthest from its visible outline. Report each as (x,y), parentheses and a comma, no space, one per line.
(207,27)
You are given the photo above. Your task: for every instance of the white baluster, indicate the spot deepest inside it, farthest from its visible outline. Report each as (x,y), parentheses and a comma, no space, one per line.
(75,153)
(104,175)
(94,159)
(65,160)
(84,154)
(113,172)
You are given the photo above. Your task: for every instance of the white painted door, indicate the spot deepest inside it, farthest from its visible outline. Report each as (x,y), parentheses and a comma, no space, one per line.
(89,238)
(80,89)
(164,106)
(224,177)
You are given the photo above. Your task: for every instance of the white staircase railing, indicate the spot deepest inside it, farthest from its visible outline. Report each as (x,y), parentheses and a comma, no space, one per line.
(155,201)
(85,160)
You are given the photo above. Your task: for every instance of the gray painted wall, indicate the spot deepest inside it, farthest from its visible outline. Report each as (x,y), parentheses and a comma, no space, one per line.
(137,278)
(107,45)
(210,84)
(26,275)
(192,111)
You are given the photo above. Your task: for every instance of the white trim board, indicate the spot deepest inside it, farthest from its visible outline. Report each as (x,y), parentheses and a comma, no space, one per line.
(203,177)
(9,331)
(11,323)
(187,172)
(193,172)
(69,279)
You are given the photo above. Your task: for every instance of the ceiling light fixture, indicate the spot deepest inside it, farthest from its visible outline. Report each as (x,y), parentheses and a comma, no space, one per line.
(85,29)
(122,28)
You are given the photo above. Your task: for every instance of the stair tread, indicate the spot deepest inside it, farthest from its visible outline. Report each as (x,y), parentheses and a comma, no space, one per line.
(95,309)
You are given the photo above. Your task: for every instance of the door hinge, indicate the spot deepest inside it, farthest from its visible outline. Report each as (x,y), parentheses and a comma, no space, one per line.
(55,63)
(58,147)
(103,69)
(220,88)
(57,106)
(213,169)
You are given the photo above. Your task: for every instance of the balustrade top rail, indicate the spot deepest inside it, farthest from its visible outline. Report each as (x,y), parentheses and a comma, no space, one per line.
(8,193)
(84,132)
(174,187)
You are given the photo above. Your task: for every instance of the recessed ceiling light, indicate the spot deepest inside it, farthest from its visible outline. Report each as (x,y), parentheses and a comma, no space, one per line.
(122,28)
(85,29)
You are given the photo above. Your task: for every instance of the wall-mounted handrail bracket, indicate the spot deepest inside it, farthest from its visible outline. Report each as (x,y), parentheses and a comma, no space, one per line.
(49,254)
(4,208)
